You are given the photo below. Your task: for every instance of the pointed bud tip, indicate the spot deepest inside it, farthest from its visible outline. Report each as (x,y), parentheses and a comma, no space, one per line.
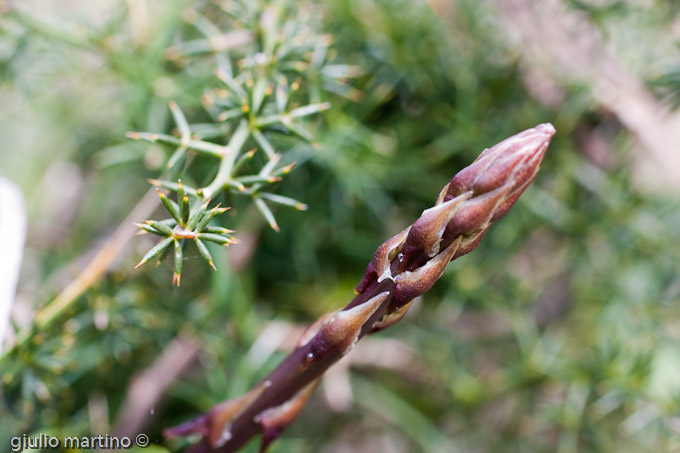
(537,138)
(516,157)
(546,128)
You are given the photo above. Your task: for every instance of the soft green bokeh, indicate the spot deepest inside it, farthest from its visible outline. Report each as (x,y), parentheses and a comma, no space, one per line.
(559,333)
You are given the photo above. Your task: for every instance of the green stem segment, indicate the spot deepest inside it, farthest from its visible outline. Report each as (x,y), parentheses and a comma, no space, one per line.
(224,174)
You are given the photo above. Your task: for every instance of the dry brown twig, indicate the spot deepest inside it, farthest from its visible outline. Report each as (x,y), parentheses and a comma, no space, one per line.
(147,387)
(560,45)
(403,268)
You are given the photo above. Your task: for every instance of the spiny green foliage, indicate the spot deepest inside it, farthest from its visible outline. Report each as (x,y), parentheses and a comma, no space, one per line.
(279,56)
(185,225)
(278,60)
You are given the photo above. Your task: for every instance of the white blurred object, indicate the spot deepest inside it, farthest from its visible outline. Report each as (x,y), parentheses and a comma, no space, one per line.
(12,232)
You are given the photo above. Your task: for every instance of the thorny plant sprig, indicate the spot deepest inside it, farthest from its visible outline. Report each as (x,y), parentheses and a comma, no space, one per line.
(283,61)
(403,268)
(185,225)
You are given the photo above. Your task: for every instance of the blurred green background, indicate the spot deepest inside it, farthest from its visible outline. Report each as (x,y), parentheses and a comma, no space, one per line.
(559,333)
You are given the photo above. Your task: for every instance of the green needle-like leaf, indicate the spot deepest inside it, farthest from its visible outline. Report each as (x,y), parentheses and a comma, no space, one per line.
(309,110)
(284,170)
(184,209)
(267,169)
(341,71)
(270,119)
(164,254)
(257,179)
(172,186)
(178,263)
(229,114)
(164,139)
(149,229)
(209,216)
(241,161)
(177,157)
(282,94)
(259,92)
(197,216)
(159,226)
(266,213)
(203,250)
(170,205)
(216,238)
(280,199)
(217,230)
(155,251)
(180,193)
(180,120)
(264,143)
(299,131)
(235,186)
(233,85)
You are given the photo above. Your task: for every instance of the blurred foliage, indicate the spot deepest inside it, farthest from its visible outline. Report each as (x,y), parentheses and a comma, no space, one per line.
(559,333)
